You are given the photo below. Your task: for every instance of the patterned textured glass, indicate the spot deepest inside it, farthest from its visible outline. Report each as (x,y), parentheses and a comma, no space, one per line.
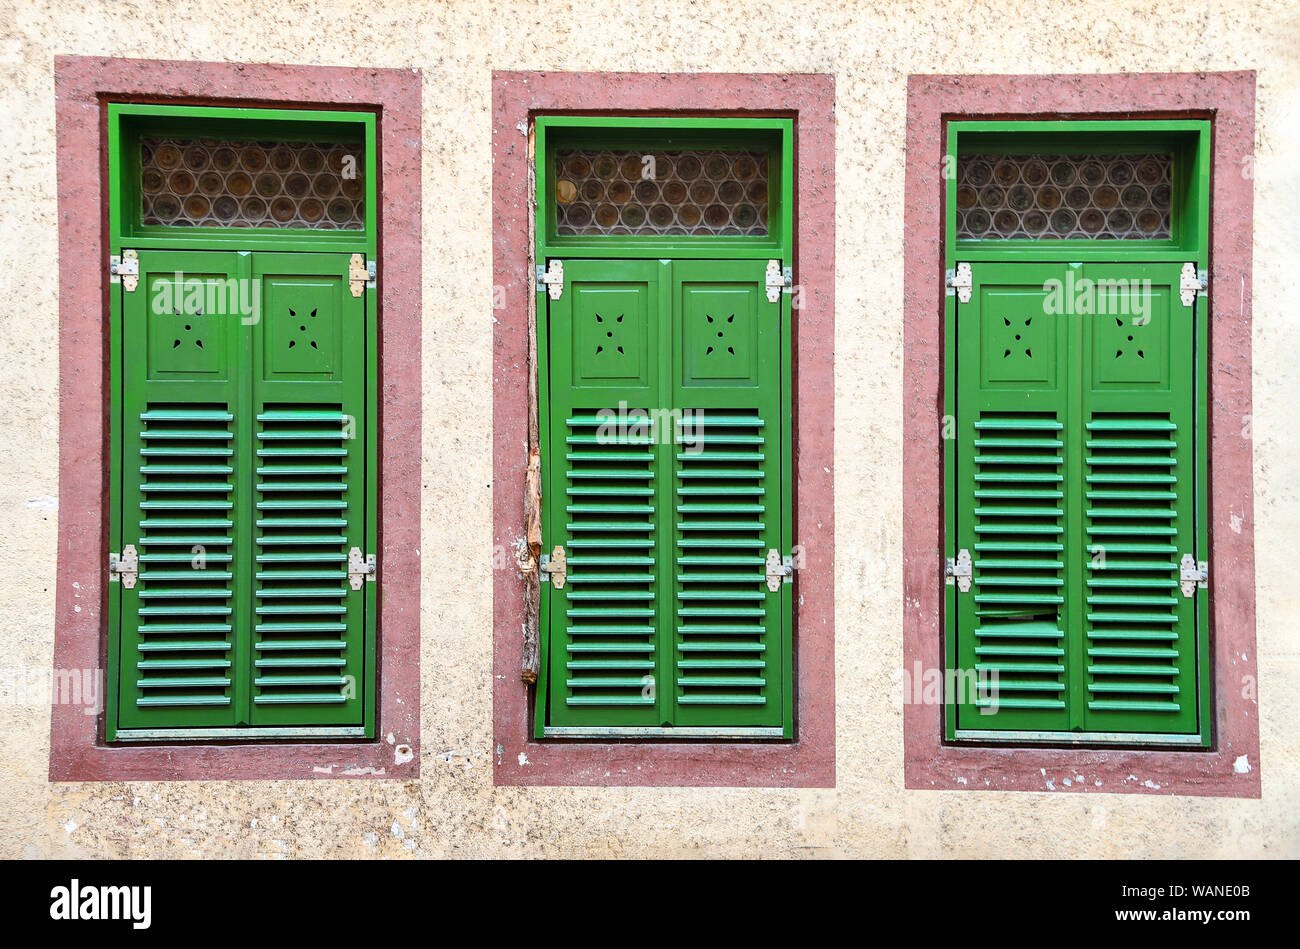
(1047,197)
(688,193)
(191,183)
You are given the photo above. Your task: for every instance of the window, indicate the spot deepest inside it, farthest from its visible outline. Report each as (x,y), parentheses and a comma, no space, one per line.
(242,438)
(665,409)
(1076,386)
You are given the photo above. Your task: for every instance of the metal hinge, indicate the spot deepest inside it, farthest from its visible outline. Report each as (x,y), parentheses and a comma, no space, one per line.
(779,570)
(552,278)
(361,568)
(557,565)
(124,270)
(1193,573)
(124,566)
(959,282)
(362,273)
(958,570)
(1191,282)
(778,278)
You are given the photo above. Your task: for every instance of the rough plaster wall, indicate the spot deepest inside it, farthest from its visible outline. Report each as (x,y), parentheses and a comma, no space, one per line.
(454,809)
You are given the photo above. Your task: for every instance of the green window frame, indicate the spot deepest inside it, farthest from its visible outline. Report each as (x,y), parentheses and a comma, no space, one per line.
(243,421)
(1075,461)
(665,623)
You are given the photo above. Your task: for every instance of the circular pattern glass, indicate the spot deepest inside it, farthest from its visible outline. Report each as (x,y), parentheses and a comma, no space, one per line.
(606,216)
(1006,173)
(205,183)
(1078,197)
(1034,173)
(620,192)
(1019,198)
(686,193)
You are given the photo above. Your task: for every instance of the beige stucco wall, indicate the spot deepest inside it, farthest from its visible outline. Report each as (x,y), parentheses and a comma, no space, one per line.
(454,809)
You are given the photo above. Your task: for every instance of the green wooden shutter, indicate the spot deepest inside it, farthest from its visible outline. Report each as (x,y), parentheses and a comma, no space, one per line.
(243,482)
(603,492)
(666,480)
(1075,495)
(308,397)
(728,655)
(1139,461)
(1011,509)
(184,436)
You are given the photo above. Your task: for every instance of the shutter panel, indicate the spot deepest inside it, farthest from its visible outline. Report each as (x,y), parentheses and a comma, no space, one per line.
(729,661)
(665,621)
(1139,461)
(603,494)
(1011,501)
(1075,496)
(183,430)
(308,476)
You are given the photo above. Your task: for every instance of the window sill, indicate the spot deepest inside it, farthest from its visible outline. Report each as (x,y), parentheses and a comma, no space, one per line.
(710,734)
(235,734)
(1004,739)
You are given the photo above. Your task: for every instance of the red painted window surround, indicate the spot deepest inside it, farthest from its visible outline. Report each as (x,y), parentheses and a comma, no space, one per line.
(83,86)
(808,761)
(1231,768)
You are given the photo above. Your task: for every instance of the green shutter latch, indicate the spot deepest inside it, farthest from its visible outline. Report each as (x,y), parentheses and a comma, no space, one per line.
(1193,574)
(124,270)
(360,568)
(958,570)
(124,566)
(959,282)
(557,565)
(1191,282)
